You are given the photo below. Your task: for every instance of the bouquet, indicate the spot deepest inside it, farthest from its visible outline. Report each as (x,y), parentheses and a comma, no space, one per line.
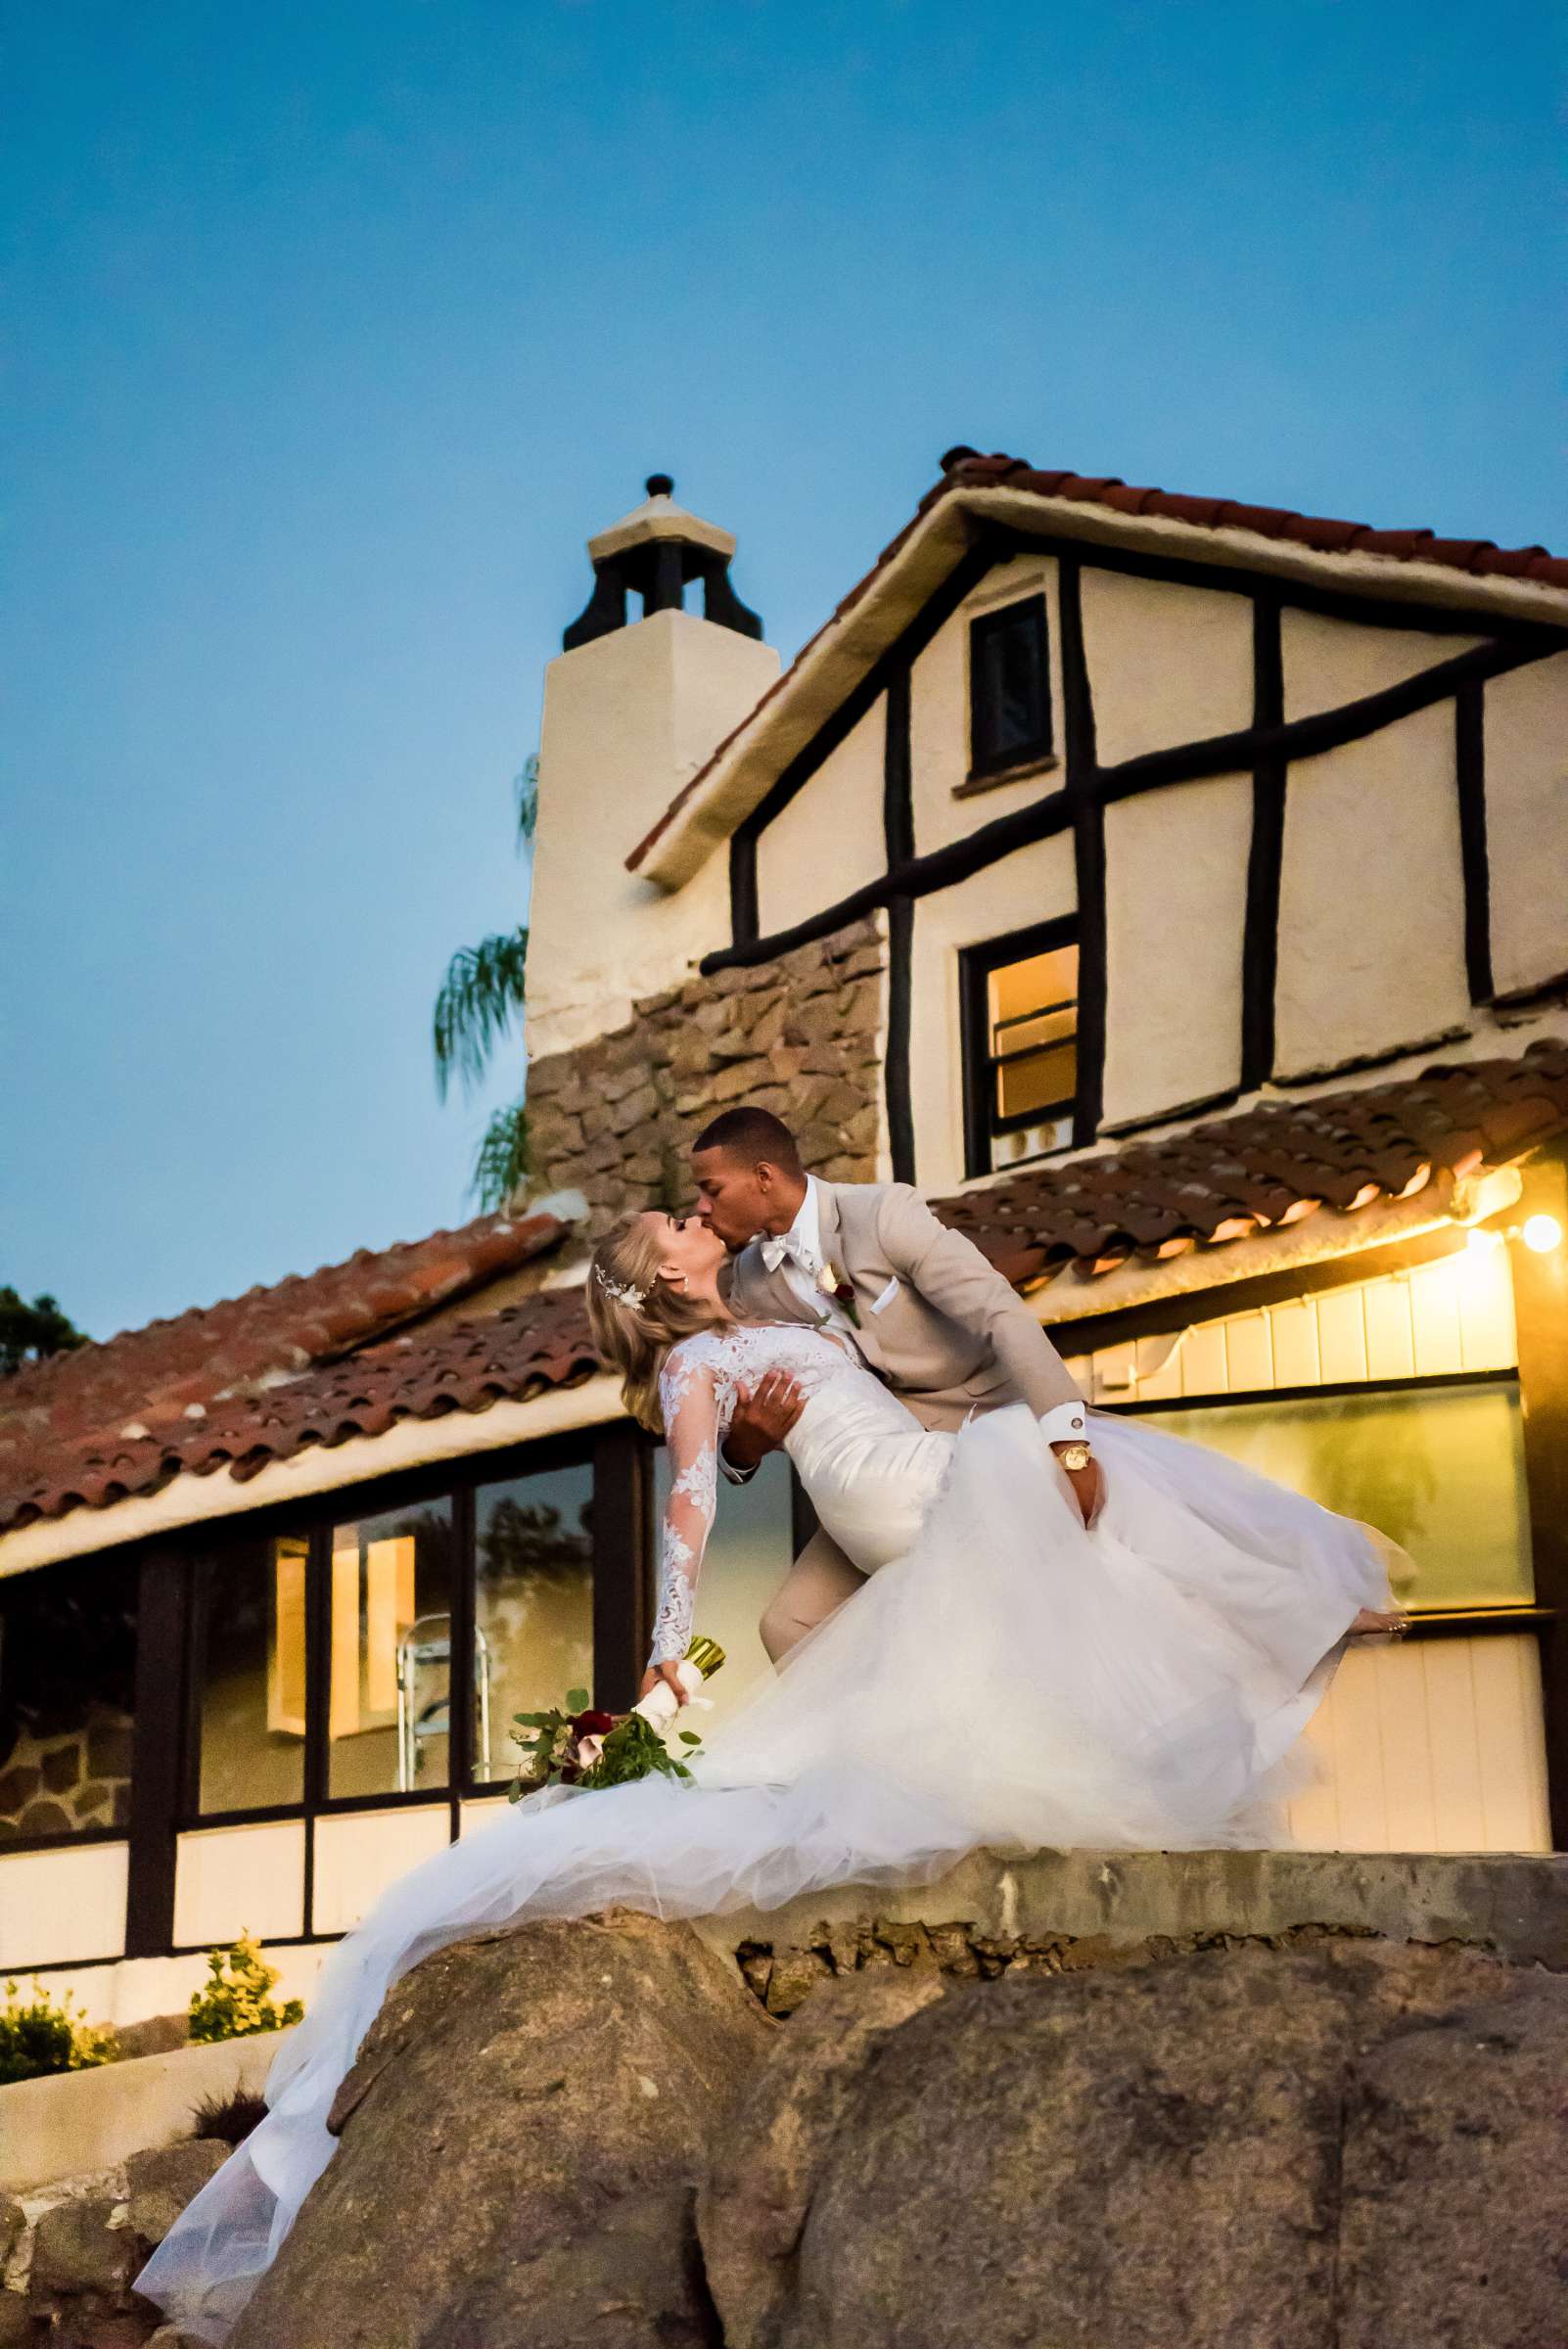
(580,1745)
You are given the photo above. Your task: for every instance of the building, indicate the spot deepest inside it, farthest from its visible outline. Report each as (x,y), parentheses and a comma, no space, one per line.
(1177,892)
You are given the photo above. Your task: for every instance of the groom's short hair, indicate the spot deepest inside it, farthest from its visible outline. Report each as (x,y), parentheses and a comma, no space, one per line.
(752,1136)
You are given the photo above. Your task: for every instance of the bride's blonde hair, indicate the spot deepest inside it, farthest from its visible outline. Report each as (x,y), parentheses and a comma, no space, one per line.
(635,1315)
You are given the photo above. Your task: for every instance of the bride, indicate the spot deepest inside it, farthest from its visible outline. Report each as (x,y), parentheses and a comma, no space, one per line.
(1008,1676)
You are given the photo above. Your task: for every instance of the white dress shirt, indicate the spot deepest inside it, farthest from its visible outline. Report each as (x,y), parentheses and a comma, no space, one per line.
(801,1261)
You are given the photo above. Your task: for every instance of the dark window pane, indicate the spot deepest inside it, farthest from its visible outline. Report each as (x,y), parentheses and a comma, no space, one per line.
(67,1672)
(388,1670)
(1441,1474)
(533,1604)
(250,1674)
(1009,686)
(748,1556)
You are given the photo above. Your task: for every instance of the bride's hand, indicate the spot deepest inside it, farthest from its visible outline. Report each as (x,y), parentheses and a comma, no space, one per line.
(670,1673)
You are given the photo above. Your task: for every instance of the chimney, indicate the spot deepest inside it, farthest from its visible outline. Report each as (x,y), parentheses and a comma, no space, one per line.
(638,700)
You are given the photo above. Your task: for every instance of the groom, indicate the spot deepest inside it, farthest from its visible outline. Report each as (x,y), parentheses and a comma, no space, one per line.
(918,1303)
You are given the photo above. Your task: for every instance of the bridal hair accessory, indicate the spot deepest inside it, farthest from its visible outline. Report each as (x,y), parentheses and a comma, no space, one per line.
(624,1292)
(581,1746)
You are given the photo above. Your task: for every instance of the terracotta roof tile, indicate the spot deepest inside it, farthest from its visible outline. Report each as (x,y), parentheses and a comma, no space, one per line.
(1270,1165)
(187,1386)
(113,1421)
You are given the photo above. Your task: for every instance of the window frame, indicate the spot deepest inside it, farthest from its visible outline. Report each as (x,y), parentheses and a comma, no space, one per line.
(622,1606)
(976,964)
(989,757)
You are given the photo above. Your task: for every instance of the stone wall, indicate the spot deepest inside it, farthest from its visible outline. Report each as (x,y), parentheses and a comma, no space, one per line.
(801,1036)
(69,1779)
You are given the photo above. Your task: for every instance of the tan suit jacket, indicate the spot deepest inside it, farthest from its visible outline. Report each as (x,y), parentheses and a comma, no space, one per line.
(937,1321)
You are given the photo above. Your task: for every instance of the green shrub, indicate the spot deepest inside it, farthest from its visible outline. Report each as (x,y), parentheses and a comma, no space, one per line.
(39,2037)
(235,2004)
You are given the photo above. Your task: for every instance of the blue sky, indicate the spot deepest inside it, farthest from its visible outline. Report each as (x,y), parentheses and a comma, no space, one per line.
(337,329)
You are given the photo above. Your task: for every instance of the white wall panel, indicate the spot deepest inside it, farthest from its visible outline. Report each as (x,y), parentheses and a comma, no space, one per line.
(233,1881)
(66,1904)
(1176,901)
(830,839)
(1527,823)
(1371,910)
(1167,665)
(1328,662)
(359,1852)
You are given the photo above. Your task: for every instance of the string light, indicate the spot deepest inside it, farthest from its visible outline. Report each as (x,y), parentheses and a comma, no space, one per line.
(1542,1233)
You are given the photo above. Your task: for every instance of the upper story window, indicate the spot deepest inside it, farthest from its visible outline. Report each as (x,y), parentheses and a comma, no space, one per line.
(1020,1020)
(1009,687)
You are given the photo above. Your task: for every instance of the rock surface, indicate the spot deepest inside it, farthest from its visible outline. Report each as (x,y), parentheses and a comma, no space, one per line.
(520,2144)
(1359,2147)
(161,2182)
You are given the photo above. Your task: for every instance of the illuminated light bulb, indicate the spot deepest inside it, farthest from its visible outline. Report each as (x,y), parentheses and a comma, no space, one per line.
(1542,1233)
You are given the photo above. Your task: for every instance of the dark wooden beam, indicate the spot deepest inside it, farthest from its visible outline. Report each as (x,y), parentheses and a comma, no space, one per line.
(1470,774)
(1541,1314)
(158,1758)
(623,1563)
(897,826)
(1260,948)
(1089,850)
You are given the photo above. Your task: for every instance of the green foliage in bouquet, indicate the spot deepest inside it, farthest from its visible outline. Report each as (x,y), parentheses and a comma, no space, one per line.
(237,2002)
(629,1747)
(37,2038)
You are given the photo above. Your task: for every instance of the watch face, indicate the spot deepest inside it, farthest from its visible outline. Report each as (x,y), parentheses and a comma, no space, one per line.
(1074,1456)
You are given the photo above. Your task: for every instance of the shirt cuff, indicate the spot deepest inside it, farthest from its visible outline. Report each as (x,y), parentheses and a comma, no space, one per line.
(1064,1423)
(737,1476)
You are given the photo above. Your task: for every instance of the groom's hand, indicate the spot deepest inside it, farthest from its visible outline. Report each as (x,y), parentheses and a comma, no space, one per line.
(1085,1484)
(763,1417)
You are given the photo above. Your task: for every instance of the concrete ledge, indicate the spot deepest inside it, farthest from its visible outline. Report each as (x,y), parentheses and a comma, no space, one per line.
(1514,1904)
(76,2122)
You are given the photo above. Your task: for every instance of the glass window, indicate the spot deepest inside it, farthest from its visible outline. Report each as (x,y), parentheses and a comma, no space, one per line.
(1009,687)
(532,1603)
(67,1666)
(250,1674)
(748,1556)
(1020,1015)
(1441,1472)
(391,1587)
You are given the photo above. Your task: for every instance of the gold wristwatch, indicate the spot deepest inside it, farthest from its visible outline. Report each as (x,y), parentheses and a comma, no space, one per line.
(1066,1428)
(1074,1456)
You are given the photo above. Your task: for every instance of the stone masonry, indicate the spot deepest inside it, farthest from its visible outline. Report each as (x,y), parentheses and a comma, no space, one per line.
(801,1036)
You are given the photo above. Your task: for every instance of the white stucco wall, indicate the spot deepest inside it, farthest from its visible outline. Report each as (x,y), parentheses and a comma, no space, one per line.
(359,1852)
(627,719)
(939,712)
(1527,823)
(1330,662)
(1371,917)
(1166,664)
(1176,866)
(829,840)
(1035,884)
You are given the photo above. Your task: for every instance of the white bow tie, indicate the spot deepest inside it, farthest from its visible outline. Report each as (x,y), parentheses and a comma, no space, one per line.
(779,1249)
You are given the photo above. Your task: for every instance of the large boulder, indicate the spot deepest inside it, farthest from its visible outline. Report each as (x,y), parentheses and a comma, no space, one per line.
(1361,2147)
(521,2141)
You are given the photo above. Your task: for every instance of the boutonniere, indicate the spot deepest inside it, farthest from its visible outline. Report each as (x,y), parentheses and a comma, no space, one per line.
(832,1283)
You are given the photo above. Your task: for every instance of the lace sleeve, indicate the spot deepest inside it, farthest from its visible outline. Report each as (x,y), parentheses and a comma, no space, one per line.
(688,1394)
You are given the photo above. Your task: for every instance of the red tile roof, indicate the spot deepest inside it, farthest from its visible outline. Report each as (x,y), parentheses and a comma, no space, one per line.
(966,469)
(115,1419)
(1220,1181)
(1274,1164)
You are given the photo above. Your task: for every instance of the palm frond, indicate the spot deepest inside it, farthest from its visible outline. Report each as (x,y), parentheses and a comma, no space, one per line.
(480,997)
(526,786)
(501,1162)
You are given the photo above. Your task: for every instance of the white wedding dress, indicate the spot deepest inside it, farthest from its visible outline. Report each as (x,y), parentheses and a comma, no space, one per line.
(1006,1677)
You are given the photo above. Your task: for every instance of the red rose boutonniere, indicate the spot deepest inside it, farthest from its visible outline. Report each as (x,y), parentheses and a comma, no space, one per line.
(832,1283)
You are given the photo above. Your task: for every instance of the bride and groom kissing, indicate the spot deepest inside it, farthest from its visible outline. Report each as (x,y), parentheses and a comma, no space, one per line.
(1021,1623)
